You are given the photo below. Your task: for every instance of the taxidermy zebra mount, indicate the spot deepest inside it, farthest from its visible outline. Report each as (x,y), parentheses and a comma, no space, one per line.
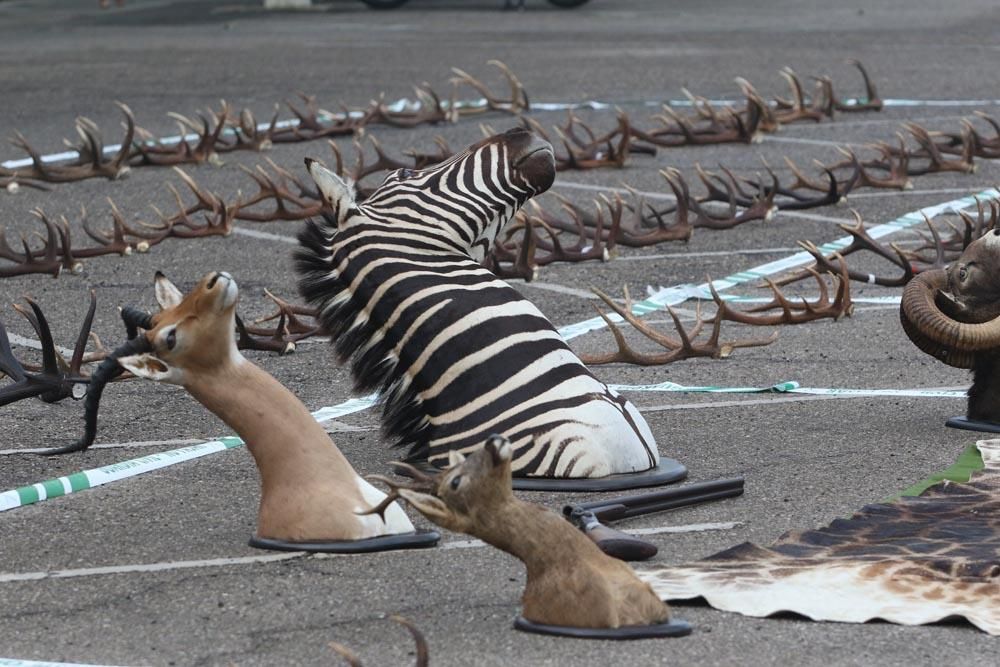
(454,352)
(953,314)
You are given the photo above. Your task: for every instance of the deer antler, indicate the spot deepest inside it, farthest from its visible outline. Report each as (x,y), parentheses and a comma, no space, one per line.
(291,311)
(759,207)
(516,104)
(964,164)
(792,312)
(861,240)
(276,342)
(52,258)
(288,205)
(91,162)
(795,109)
(684,347)
(246,134)
(872,101)
(429,112)
(315,123)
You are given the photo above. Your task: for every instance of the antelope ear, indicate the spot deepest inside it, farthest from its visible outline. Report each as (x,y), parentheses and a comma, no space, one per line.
(337,193)
(430,506)
(455,458)
(151,367)
(167,294)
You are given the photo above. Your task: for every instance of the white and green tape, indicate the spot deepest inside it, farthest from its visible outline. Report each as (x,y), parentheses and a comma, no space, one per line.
(672,296)
(14,662)
(789,387)
(88,479)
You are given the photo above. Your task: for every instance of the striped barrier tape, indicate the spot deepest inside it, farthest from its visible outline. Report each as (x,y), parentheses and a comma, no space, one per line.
(14,662)
(88,479)
(789,387)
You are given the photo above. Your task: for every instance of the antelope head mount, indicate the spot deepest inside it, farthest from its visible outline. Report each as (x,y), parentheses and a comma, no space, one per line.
(571,582)
(310,494)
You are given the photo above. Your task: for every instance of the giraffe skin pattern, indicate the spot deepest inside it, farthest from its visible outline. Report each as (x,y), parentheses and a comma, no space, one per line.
(912,561)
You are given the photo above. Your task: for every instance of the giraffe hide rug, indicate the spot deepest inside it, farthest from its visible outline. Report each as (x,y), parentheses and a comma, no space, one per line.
(911,561)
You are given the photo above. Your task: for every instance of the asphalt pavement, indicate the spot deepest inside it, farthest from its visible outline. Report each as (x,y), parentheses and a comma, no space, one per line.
(155,570)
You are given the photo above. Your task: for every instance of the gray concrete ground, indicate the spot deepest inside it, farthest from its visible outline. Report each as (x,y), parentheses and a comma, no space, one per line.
(806,461)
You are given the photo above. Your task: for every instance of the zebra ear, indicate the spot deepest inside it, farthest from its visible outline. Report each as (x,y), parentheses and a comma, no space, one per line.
(337,193)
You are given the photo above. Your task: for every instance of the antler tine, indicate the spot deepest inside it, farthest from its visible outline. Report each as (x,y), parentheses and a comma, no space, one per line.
(625,352)
(423,653)
(420,481)
(872,100)
(352,658)
(518,96)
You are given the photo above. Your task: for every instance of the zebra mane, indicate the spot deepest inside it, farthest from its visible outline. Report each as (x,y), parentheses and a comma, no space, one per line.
(357,341)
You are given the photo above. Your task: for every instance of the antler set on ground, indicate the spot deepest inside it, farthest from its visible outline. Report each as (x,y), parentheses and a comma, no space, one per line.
(708,124)
(221,131)
(932,249)
(57,251)
(780,310)
(685,346)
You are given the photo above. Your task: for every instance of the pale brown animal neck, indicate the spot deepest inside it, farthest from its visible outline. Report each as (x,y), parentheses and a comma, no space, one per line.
(287,443)
(537,536)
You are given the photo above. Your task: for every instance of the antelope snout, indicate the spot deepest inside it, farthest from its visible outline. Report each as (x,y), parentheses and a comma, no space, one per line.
(224,285)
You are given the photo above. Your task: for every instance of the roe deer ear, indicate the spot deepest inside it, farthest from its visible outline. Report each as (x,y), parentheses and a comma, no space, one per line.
(431,507)
(337,193)
(455,458)
(167,294)
(151,367)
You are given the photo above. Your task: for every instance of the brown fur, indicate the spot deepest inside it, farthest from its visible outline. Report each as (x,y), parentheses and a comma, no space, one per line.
(571,582)
(309,491)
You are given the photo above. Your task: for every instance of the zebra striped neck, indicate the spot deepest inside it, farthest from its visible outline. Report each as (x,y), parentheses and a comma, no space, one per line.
(454,352)
(451,203)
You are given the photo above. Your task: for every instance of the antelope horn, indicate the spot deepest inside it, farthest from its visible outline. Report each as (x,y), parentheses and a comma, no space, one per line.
(135,319)
(108,370)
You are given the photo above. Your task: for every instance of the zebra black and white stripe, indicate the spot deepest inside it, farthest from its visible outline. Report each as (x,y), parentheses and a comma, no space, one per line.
(455,353)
